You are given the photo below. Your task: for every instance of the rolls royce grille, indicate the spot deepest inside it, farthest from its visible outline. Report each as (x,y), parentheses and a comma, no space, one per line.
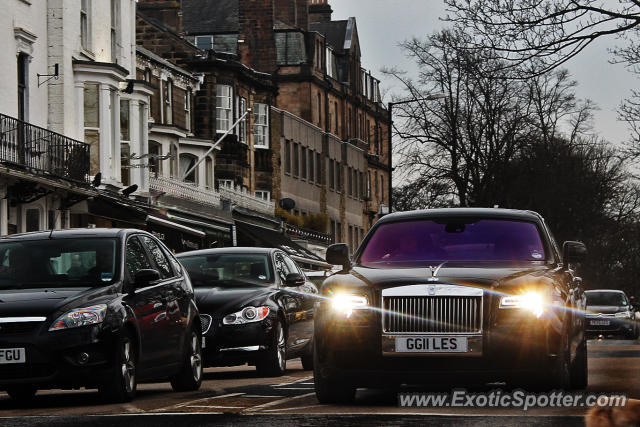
(427,314)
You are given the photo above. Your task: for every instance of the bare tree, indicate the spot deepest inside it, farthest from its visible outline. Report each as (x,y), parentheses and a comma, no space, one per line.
(550,31)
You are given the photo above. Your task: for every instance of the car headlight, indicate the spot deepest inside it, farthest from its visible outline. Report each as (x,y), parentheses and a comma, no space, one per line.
(531,301)
(80,317)
(246,315)
(624,314)
(346,303)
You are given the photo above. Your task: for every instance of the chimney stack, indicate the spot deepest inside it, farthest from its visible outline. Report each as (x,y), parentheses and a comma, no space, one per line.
(319,11)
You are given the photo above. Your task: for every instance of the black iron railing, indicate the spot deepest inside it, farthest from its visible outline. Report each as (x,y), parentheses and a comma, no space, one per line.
(42,151)
(306,234)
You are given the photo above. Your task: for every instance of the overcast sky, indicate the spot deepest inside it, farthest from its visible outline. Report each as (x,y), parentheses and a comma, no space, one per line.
(382,24)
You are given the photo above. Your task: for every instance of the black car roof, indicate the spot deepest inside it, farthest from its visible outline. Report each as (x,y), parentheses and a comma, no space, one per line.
(73,232)
(617,291)
(230,250)
(463,212)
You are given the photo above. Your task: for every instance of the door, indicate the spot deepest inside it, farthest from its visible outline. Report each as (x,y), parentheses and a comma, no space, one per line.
(176,299)
(289,300)
(306,295)
(149,306)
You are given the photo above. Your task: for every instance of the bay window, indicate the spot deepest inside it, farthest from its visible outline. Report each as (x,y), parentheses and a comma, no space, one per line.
(261,125)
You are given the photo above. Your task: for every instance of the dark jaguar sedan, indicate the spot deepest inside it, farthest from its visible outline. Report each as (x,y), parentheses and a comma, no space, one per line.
(256,307)
(452,297)
(95,308)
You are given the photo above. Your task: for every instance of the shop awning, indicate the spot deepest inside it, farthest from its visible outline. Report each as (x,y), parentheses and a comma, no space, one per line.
(177,237)
(253,235)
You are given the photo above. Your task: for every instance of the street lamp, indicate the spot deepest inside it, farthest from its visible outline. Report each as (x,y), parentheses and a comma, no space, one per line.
(429,97)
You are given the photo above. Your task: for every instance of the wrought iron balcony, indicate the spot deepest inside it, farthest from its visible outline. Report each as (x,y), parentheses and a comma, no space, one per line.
(41,151)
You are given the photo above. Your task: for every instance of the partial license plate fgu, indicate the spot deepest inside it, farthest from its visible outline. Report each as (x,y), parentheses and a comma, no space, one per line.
(429,344)
(12,355)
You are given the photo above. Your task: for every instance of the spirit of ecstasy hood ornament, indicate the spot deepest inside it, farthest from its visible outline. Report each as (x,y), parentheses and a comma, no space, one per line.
(434,272)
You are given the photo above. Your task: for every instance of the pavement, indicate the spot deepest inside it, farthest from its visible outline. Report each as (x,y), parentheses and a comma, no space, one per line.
(236,396)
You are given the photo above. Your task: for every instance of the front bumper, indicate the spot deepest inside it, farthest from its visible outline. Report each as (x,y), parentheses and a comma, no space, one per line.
(53,358)
(232,345)
(608,325)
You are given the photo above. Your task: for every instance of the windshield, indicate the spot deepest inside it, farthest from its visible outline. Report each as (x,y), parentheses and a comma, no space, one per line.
(616,299)
(428,242)
(57,263)
(228,270)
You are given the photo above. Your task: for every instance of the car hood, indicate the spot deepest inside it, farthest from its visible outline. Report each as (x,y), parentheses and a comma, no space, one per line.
(485,275)
(45,302)
(606,309)
(218,302)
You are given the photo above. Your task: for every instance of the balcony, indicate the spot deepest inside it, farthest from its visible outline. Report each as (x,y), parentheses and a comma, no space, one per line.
(41,151)
(184,190)
(306,234)
(247,201)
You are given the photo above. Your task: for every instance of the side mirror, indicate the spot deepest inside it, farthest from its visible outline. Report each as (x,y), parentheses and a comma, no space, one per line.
(338,254)
(573,252)
(145,278)
(294,279)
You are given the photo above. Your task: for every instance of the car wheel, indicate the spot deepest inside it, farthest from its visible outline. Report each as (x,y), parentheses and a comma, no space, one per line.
(190,376)
(562,366)
(22,393)
(274,363)
(122,388)
(579,368)
(330,389)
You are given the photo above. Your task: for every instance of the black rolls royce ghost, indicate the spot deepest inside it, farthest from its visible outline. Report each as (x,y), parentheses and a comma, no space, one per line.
(256,306)
(453,297)
(95,308)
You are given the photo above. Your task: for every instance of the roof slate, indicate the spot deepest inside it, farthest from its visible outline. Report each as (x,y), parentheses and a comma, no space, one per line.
(210,16)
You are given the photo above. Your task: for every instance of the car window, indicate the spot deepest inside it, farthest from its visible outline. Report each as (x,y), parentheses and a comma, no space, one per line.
(281,266)
(159,257)
(228,270)
(136,258)
(606,298)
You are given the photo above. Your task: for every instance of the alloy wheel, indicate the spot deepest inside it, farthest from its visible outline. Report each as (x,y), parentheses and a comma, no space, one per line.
(282,349)
(196,358)
(128,368)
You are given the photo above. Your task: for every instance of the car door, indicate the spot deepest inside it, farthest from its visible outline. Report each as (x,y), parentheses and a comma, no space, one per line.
(289,300)
(175,299)
(306,297)
(148,304)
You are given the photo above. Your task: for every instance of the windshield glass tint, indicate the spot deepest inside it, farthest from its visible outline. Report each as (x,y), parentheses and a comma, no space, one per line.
(57,263)
(422,243)
(616,299)
(228,269)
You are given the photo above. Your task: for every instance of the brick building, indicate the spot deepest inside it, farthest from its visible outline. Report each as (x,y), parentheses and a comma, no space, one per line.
(318,133)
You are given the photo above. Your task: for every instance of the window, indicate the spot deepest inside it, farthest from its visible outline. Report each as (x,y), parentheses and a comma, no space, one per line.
(204,42)
(223,108)
(226,183)
(92,125)
(369,185)
(208,172)
(349,182)
(381,188)
(187,109)
(23,86)
(362,192)
(332,175)
(168,102)
(85,24)
(282,267)
(124,120)
(261,125)
(319,110)
(319,169)
(296,161)
(125,163)
(350,237)
(287,157)
(338,177)
(242,126)
(311,160)
(303,163)
(147,75)
(155,164)
(136,258)
(264,195)
(368,130)
(51,220)
(115,30)
(164,268)
(187,161)
(337,116)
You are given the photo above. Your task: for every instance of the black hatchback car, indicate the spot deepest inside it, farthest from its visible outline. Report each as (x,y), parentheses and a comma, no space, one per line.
(452,297)
(256,307)
(95,308)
